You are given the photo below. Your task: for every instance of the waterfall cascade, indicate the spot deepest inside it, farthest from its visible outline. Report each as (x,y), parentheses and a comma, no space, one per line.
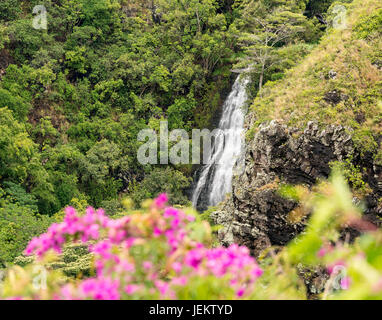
(215,179)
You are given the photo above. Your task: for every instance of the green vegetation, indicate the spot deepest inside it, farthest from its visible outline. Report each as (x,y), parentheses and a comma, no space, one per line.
(18,225)
(274,36)
(150,268)
(78,93)
(74,262)
(339,82)
(74,97)
(353,174)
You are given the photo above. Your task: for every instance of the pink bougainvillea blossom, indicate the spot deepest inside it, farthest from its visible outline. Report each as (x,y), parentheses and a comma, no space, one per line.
(117,248)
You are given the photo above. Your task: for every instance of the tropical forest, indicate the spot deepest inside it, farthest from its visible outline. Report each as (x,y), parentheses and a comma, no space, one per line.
(190,150)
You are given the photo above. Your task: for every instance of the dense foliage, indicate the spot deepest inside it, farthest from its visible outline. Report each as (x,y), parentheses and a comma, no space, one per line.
(338,83)
(73,97)
(157,254)
(163,252)
(78,93)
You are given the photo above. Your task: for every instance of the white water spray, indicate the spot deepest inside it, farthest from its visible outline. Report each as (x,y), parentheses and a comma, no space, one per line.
(215,180)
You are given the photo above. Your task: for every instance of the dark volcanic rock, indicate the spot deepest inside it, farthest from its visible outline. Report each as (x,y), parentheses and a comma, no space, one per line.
(255,215)
(335,97)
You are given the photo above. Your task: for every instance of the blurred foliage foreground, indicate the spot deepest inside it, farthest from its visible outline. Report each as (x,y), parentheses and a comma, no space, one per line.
(161,252)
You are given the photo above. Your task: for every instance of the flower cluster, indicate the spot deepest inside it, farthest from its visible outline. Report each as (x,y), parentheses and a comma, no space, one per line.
(86,228)
(219,262)
(146,255)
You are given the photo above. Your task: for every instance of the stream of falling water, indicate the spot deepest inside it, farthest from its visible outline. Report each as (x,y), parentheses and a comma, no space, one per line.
(215,179)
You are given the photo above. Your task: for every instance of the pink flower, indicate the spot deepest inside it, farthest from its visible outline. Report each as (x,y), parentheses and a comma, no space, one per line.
(175,223)
(171,212)
(157,232)
(100,289)
(345,283)
(180,281)
(194,257)
(322,252)
(325,249)
(130,242)
(240,292)
(147,265)
(162,287)
(161,200)
(335,266)
(257,272)
(177,266)
(117,263)
(131,289)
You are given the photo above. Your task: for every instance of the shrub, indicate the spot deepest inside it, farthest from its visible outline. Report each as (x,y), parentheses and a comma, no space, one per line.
(18,225)
(162,253)
(165,253)
(353,174)
(167,180)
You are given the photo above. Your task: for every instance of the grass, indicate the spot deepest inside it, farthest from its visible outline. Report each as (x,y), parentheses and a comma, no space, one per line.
(354,56)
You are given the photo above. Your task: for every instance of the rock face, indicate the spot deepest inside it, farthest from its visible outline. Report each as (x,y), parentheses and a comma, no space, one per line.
(255,215)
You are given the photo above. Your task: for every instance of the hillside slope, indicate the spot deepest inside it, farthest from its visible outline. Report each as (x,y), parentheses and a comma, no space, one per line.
(340,82)
(326,112)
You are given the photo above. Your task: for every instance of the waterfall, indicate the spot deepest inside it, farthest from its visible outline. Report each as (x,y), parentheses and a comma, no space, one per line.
(215,179)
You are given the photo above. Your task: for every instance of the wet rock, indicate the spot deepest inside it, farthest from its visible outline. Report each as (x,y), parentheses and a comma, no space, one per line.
(255,215)
(315,280)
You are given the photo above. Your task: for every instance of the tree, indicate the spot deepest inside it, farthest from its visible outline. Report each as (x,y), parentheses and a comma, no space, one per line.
(78,95)
(15,103)
(9,9)
(268,27)
(16,148)
(100,171)
(18,225)
(159,181)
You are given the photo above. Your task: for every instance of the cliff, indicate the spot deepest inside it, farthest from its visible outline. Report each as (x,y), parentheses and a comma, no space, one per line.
(326,111)
(256,215)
